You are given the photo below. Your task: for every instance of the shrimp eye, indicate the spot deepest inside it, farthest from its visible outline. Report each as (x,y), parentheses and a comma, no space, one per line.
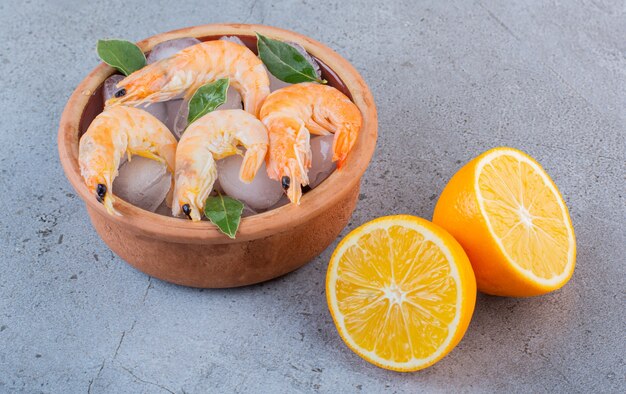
(285,181)
(101,191)
(120,93)
(187,210)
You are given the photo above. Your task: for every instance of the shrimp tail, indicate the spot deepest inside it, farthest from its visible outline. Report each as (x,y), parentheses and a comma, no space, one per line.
(343,142)
(252,161)
(290,159)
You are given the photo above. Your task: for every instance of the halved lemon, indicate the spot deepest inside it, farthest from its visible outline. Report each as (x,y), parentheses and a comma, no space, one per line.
(510,218)
(401,292)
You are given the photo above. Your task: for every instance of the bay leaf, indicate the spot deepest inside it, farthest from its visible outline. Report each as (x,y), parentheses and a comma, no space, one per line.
(207,98)
(124,55)
(285,62)
(224,212)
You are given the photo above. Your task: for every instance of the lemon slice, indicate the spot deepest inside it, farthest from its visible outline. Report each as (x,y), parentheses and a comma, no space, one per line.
(512,222)
(401,292)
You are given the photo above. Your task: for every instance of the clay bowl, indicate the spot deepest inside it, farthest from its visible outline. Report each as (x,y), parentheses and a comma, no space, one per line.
(267,245)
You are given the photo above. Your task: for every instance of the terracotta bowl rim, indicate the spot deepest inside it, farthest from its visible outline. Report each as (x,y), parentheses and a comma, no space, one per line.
(254,227)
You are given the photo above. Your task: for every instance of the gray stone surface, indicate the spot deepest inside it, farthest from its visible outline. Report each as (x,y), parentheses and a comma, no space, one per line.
(451,79)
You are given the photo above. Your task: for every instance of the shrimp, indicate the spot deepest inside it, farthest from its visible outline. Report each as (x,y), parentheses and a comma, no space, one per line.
(212,137)
(115,132)
(193,67)
(290,114)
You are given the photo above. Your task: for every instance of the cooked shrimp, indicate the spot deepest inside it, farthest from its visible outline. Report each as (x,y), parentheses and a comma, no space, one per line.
(289,154)
(212,137)
(115,132)
(290,114)
(193,67)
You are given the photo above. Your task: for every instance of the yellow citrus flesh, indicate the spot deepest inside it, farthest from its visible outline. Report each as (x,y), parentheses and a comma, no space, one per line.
(401,292)
(512,222)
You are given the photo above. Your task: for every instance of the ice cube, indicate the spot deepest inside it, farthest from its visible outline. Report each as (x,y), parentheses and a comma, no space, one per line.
(275,83)
(159,110)
(169,48)
(284,200)
(321,159)
(173,107)
(261,193)
(109,88)
(234,39)
(233,100)
(142,182)
(180,120)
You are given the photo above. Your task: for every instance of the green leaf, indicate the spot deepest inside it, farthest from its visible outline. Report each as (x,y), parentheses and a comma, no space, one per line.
(121,54)
(207,98)
(224,212)
(285,62)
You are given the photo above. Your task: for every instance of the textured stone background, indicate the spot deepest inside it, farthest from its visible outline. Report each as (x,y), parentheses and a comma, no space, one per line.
(451,79)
